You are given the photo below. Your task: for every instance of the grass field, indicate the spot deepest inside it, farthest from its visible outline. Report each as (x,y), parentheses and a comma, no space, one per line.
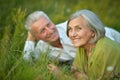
(13,14)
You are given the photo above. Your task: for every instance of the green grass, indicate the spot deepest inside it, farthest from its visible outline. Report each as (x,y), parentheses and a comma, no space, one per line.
(13,34)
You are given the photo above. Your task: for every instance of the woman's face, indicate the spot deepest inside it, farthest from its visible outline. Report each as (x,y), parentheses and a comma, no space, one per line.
(79,33)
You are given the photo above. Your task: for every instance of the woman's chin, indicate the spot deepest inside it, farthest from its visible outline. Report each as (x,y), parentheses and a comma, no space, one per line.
(75,45)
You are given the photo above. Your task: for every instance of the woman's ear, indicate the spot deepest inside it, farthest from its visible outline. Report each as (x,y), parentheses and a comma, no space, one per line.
(93,34)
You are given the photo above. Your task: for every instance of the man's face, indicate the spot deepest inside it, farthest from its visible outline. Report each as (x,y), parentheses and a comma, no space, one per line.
(44,29)
(78,32)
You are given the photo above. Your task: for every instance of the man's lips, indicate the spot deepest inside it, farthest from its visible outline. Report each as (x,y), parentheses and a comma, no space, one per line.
(52,35)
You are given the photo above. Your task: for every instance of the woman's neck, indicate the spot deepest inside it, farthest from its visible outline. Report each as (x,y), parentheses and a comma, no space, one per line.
(88,48)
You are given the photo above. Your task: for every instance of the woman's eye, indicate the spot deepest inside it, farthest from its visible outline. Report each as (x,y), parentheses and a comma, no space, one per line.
(78,28)
(69,28)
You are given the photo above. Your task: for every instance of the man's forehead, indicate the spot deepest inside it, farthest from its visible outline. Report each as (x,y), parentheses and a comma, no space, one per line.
(41,22)
(43,19)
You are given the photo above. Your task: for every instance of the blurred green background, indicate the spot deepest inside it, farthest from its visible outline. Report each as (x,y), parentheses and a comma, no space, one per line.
(13,14)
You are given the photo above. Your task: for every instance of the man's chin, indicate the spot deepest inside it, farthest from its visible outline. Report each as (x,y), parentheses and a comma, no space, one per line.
(52,40)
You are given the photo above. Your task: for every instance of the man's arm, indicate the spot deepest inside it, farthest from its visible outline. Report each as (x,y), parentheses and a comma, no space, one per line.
(29,46)
(30,37)
(33,47)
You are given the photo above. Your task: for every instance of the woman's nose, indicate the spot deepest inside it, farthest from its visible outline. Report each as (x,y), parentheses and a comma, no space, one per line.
(73,33)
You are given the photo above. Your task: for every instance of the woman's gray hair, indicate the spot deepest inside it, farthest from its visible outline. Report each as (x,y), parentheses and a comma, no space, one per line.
(94,23)
(34,17)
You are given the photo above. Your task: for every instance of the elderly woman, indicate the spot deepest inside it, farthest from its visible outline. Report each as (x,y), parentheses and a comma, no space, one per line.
(97,56)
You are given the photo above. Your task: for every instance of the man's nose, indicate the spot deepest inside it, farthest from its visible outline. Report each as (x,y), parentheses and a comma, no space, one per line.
(49,30)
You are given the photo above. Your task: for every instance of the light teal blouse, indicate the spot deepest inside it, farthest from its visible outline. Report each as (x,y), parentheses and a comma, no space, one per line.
(103,63)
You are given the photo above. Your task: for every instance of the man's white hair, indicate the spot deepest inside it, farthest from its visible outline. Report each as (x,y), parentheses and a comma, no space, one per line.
(34,17)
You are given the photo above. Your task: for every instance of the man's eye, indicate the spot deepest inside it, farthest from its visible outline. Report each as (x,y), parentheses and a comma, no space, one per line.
(42,31)
(48,25)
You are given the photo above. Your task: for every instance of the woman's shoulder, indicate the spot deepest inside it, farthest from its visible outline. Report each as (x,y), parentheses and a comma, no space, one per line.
(108,44)
(107,41)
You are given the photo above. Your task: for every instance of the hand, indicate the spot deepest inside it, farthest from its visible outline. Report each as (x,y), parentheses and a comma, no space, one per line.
(73,69)
(78,75)
(54,69)
(30,37)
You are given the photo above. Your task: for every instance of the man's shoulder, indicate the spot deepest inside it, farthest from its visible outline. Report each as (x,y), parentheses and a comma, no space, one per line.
(62,24)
